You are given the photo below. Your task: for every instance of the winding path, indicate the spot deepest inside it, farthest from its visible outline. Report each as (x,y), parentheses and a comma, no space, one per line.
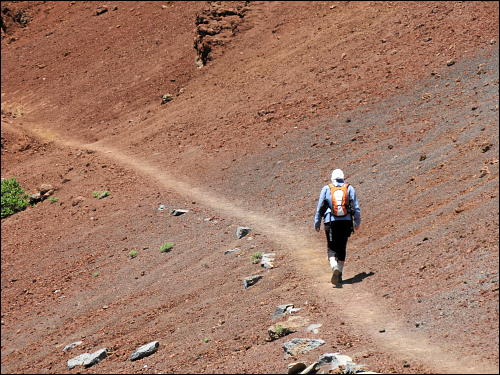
(365,310)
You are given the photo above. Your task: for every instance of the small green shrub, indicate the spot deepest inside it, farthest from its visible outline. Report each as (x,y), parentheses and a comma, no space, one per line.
(133,253)
(279,329)
(205,340)
(53,199)
(95,274)
(100,194)
(256,257)
(167,246)
(14,198)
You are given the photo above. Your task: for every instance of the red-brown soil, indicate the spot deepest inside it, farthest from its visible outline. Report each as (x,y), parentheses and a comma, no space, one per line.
(403,96)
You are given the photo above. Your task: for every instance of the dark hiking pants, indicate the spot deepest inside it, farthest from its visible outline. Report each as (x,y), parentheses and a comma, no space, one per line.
(337,234)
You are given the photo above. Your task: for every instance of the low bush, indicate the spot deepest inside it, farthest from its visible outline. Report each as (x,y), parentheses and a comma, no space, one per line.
(256,257)
(100,194)
(167,246)
(14,199)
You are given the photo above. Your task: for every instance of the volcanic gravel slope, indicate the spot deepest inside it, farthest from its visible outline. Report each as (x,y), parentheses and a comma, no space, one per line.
(402,96)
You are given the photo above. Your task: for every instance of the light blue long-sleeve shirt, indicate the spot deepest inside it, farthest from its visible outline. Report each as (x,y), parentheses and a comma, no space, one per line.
(327,195)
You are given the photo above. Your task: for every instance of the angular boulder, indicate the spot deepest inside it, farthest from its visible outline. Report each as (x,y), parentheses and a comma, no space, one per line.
(300,345)
(145,350)
(251,280)
(242,232)
(88,359)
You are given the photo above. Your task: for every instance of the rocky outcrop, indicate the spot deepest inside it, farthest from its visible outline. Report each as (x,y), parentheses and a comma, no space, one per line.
(215,26)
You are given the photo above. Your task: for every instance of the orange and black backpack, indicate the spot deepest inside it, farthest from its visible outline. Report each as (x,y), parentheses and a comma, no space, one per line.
(340,200)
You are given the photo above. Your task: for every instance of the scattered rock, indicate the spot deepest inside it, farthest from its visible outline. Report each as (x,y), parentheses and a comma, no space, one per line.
(459,209)
(281,310)
(145,350)
(45,188)
(311,369)
(251,280)
(300,346)
(332,361)
(296,367)
(235,250)
(35,198)
(72,345)
(313,328)
(267,260)
(161,207)
(423,157)
(242,232)
(484,171)
(428,39)
(166,98)
(77,200)
(381,330)
(87,360)
(101,10)
(178,212)
(486,146)
(450,62)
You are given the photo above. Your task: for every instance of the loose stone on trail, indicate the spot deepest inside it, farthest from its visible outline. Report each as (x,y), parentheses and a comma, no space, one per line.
(72,345)
(267,260)
(242,232)
(251,280)
(87,360)
(145,350)
(282,310)
(311,369)
(178,212)
(313,328)
(333,361)
(300,346)
(296,367)
(235,250)
(166,98)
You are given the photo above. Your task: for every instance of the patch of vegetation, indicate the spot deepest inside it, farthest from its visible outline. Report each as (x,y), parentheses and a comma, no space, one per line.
(100,194)
(133,253)
(95,274)
(53,199)
(256,257)
(278,331)
(166,247)
(14,199)
(205,340)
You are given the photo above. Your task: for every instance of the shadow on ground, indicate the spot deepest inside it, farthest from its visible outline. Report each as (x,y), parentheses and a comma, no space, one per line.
(358,278)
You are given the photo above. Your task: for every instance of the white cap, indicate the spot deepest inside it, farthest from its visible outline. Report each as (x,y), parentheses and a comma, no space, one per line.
(337,174)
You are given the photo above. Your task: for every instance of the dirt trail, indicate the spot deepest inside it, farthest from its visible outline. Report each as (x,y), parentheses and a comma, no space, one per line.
(363,309)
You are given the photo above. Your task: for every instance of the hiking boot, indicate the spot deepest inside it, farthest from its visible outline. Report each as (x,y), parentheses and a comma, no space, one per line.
(336,277)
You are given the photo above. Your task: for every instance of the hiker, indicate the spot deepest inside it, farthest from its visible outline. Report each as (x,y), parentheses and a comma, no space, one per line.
(339,221)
